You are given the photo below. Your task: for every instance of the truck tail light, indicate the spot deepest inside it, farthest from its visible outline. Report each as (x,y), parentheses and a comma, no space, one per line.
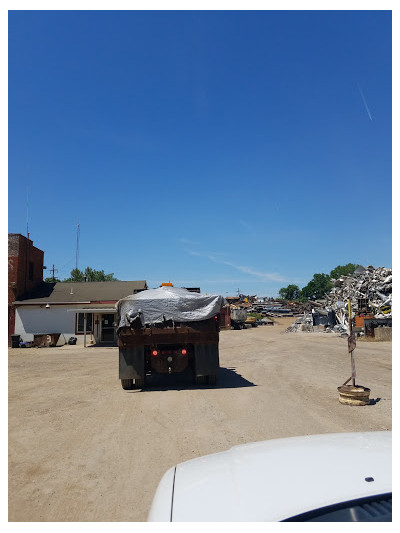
(154,352)
(183,352)
(216,317)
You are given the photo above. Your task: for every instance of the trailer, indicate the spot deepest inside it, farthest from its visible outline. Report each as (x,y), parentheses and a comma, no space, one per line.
(238,317)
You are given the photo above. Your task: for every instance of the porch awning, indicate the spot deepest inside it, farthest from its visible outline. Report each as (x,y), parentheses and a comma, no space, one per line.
(93,310)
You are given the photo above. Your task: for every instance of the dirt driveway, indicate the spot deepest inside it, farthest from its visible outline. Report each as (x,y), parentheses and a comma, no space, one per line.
(83,449)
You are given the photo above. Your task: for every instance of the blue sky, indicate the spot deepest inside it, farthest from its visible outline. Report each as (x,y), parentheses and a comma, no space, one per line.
(222,149)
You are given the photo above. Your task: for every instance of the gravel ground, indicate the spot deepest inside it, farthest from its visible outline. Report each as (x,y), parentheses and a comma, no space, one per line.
(83,449)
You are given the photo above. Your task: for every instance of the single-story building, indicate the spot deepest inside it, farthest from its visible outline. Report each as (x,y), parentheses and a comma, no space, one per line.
(86,311)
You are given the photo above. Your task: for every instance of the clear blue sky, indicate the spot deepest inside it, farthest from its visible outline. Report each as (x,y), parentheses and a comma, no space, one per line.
(224,149)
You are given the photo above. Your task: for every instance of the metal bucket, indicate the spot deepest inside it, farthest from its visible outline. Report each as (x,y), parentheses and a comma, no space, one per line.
(15,341)
(357,395)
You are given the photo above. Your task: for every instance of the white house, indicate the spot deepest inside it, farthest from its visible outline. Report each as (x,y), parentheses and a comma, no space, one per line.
(66,308)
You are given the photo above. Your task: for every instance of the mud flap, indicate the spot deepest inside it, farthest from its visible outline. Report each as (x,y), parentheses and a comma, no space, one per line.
(206,359)
(131,363)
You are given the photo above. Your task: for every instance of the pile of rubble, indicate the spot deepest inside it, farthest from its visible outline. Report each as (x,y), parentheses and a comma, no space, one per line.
(312,322)
(302,323)
(369,291)
(302,307)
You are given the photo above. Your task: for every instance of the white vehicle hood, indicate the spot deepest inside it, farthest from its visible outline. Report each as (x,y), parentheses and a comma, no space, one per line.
(277,479)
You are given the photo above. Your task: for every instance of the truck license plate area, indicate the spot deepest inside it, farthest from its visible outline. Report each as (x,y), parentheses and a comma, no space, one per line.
(168,360)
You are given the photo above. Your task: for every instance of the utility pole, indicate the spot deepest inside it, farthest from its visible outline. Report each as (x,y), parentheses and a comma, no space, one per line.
(53,270)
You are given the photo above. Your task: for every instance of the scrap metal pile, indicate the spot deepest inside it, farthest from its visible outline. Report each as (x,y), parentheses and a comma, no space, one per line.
(369,291)
(302,307)
(302,323)
(372,286)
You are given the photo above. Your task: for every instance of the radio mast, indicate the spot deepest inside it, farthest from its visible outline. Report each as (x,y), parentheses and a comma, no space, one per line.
(78,229)
(27,217)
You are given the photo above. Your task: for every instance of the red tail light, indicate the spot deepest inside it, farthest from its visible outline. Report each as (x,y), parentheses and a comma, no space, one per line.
(154,352)
(216,318)
(184,352)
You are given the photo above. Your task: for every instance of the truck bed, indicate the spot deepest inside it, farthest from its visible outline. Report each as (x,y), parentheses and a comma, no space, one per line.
(204,332)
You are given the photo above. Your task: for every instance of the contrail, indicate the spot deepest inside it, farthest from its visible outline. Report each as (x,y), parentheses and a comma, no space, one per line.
(365,103)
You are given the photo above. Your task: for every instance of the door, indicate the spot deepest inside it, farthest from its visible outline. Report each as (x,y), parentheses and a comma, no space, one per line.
(107,328)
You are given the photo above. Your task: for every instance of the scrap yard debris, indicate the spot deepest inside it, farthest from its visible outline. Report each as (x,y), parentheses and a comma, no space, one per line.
(367,288)
(370,293)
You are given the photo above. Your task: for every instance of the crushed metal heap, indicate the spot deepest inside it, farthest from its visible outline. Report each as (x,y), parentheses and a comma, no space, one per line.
(373,285)
(370,292)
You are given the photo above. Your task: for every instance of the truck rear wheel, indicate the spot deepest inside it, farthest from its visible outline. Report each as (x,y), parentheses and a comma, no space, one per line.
(127,384)
(200,380)
(212,379)
(139,383)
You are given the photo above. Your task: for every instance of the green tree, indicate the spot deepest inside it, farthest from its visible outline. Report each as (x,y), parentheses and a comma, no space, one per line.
(317,287)
(89,274)
(75,275)
(51,280)
(98,275)
(343,270)
(291,292)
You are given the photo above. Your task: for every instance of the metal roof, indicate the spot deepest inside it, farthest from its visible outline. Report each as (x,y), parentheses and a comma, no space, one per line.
(81,292)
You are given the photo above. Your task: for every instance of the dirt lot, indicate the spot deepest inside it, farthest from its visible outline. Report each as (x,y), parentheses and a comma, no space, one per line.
(82,449)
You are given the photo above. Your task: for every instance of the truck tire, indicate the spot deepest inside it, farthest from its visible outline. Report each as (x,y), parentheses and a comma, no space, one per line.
(212,379)
(139,383)
(127,384)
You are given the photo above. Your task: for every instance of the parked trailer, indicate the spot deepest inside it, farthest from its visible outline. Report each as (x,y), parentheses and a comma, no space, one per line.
(238,317)
(167,331)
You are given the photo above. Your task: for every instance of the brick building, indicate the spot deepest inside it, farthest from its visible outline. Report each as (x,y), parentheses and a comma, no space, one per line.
(25,272)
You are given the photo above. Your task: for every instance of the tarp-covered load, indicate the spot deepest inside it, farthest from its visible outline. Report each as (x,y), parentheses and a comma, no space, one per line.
(155,306)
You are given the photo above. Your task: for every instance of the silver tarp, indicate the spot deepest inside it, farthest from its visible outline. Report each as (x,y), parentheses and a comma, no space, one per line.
(167,303)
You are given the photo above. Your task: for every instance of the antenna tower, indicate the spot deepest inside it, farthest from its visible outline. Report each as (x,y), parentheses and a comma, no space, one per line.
(78,230)
(27,212)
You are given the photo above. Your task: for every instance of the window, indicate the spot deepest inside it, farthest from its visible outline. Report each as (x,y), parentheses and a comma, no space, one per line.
(80,323)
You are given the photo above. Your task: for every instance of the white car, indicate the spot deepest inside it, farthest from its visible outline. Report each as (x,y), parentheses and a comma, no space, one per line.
(341,477)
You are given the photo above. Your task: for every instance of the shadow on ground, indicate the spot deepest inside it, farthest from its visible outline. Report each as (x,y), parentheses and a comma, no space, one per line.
(227,378)
(374,401)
